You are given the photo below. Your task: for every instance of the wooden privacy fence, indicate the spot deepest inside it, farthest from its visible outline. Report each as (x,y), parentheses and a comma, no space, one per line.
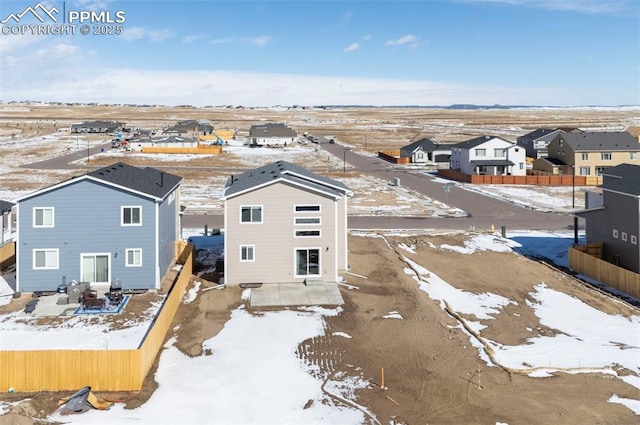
(394,156)
(103,370)
(547,180)
(611,275)
(201,149)
(7,254)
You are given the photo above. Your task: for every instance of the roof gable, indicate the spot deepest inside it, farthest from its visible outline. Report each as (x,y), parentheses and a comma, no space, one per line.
(271,130)
(472,143)
(623,178)
(282,171)
(427,145)
(602,141)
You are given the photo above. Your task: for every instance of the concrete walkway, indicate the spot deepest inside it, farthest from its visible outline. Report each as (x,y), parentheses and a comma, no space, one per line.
(286,294)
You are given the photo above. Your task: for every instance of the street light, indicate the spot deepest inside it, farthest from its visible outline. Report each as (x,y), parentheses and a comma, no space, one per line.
(344,160)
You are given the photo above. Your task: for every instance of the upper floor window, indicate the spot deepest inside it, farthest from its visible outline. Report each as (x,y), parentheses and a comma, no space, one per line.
(131,216)
(251,214)
(500,153)
(481,152)
(585,156)
(307,233)
(633,155)
(307,208)
(307,220)
(43,217)
(605,156)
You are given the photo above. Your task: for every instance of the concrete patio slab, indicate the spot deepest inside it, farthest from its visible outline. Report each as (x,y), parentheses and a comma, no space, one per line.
(288,294)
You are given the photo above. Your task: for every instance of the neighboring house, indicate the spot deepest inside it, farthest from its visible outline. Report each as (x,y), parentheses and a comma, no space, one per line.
(116,223)
(5,218)
(590,153)
(426,151)
(175,142)
(616,223)
(550,165)
(271,134)
(96,127)
(284,224)
(190,128)
(536,142)
(489,155)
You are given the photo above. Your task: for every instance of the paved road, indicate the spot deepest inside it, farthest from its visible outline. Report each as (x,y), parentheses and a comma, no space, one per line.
(63,162)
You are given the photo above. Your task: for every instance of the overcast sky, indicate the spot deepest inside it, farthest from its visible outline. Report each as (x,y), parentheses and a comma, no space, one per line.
(510,52)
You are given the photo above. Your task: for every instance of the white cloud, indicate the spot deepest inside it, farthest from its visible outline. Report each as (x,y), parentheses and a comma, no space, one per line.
(18,43)
(615,7)
(192,38)
(139,33)
(220,41)
(351,47)
(260,41)
(409,39)
(367,37)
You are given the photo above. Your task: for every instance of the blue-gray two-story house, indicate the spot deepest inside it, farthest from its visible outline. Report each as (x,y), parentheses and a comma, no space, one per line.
(116,223)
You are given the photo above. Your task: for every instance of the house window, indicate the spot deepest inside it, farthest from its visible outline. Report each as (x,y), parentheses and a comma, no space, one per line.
(634,239)
(585,171)
(521,165)
(307,220)
(500,153)
(251,214)
(131,216)
(419,156)
(247,252)
(134,257)
(615,233)
(605,156)
(308,262)
(307,208)
(94,268)
(481,152)
(45,259)
(307,233)
(624,236)
(633,155)
(43,217)
(584,156)
(600,170)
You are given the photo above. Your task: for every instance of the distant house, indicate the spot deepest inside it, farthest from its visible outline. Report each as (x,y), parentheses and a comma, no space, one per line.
(591,153)
(488,155)
(425,151)
(5,219)
(96,127)
(190,128)
(116,223)
(284,224)
(271,134)
(616,223)
(536,142)
(550,165)
(163,142)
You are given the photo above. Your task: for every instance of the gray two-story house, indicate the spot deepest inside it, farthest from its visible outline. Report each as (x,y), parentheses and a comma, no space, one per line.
(616,223)
(284,224)
(116,223)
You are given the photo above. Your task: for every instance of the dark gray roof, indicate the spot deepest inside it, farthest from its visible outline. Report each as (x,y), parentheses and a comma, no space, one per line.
(165,139)
(472,143)
(271,130)
(554,161)
(425,144)
(602,141)
(622,178)
(286,171)
(5,206)
(150,181)
(535,134)
(492,162)
(97,124)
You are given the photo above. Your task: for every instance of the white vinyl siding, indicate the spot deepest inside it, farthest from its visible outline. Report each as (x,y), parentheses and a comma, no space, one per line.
(251,214)
(44,259)
(134,257)
(131,216)
(43,217)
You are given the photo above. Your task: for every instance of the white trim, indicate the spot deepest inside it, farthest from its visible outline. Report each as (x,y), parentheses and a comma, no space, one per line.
(126,257)
(18,248)
(296,236)
(252,207)
(318,223)
(57,265)
(226,245)
(44,226)
(253,254)
(157,236)
(335,239)
(122,208)
(95,254)
(278,180)
(295,259)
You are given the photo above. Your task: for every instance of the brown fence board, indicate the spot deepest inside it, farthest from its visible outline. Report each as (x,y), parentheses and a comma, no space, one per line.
(609,274)
(533,180)
(7,254)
